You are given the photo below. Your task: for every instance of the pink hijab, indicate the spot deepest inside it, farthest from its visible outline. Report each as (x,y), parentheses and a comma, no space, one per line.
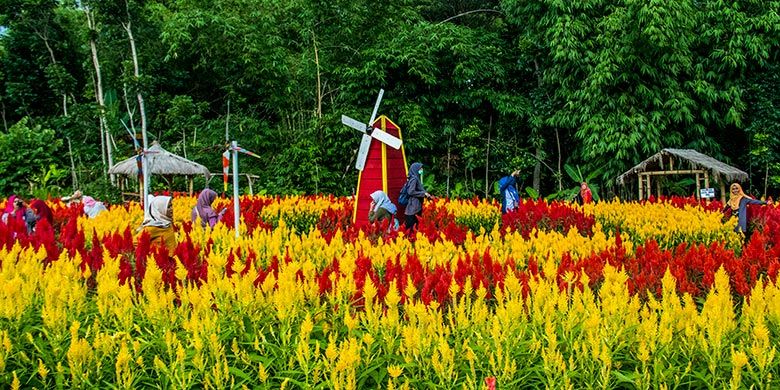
(9,206)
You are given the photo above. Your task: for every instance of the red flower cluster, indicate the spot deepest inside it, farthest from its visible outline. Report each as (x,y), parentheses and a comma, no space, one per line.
(544,216)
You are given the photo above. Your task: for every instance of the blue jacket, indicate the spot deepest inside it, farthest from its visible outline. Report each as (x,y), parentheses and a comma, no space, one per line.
(510,199)
(742,212)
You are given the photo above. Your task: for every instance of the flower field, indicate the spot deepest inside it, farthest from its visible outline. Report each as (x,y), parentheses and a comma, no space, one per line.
(609,295)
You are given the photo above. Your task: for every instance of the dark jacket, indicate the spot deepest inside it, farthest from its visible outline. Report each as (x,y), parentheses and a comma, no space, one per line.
(415,190)
(742,212)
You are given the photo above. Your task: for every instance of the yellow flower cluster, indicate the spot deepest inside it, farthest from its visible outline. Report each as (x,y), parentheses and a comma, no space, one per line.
(480,216)
(667,224)
(61,326)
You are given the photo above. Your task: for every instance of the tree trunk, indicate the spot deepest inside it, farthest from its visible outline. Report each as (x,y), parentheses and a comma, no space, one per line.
(560,172)
(538,169)
(449,161)
(319,84)
(74,177)
(45,39)
(487,158)
(766,178)
(99,97)
(5,124)
(137,75)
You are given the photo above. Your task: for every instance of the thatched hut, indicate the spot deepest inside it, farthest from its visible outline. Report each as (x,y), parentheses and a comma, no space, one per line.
(682,162)
(161,163)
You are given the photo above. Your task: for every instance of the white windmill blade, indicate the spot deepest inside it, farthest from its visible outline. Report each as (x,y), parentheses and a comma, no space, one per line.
(363,152)
(357,125)
(376,107)
(386,138)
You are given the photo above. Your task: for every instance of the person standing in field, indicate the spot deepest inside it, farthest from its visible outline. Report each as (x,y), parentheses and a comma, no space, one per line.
(738,203)
(507,187)
(204,211)
(417,194)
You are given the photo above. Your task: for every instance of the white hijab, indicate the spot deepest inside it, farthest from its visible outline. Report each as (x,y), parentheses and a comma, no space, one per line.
(158,207)
(382,201)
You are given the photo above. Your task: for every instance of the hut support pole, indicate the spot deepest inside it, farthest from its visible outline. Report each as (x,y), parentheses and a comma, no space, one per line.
(649,191)
(658,189)
(189,180)
(722,191)
(698,186)
(641,183)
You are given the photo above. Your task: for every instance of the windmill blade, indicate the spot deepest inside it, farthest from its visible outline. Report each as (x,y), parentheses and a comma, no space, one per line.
(363,152)
(376,107)
(357,125)
(242,150)
(386,138)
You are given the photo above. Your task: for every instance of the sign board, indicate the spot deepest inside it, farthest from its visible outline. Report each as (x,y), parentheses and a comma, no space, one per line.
(707,192)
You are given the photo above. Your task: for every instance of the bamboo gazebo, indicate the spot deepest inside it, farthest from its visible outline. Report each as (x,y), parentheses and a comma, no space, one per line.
(161,163)
(682,162)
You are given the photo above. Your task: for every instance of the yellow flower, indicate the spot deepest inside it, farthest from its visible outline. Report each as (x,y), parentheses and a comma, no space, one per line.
(395,371)
(42,370)
(15,383)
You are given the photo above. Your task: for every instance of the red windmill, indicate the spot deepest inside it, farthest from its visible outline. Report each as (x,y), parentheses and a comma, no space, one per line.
(381,167)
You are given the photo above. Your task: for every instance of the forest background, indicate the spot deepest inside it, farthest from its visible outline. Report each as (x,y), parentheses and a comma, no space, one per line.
(562,90)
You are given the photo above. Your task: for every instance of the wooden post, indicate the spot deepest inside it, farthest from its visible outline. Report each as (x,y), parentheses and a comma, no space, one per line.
(249,179)
(191,185)
(649,187)
(722,190)
(641,186)
(658,188)
(698,186)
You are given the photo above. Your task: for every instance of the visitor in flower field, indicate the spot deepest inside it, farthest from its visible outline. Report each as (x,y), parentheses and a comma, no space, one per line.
(92,207)
(416,193)
(11,211)
(382,209)
(585,195)
(159,226)
(42,211)
(507,187)
(17,210)
(204,211)
(738,203)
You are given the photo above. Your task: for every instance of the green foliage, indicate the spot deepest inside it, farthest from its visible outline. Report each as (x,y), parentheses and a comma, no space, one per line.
(595,84)
(28,158)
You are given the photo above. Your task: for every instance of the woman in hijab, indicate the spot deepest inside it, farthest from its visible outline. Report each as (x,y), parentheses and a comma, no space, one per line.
(585,195)
(20,213)
(204,211)
(381,208)
(417,193)
(738,203)
(10,209)
(92,207)
(160,222)
(42,211)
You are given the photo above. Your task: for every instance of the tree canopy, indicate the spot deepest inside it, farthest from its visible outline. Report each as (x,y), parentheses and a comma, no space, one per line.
(479,88)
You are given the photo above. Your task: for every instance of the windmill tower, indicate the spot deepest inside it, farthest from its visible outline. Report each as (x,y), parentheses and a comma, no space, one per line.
(381,161)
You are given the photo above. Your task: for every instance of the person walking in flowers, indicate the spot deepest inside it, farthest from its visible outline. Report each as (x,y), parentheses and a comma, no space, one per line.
(737,204)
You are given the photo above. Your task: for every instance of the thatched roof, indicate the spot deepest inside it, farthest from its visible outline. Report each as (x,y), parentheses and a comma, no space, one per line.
(719,170)
(161,162)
